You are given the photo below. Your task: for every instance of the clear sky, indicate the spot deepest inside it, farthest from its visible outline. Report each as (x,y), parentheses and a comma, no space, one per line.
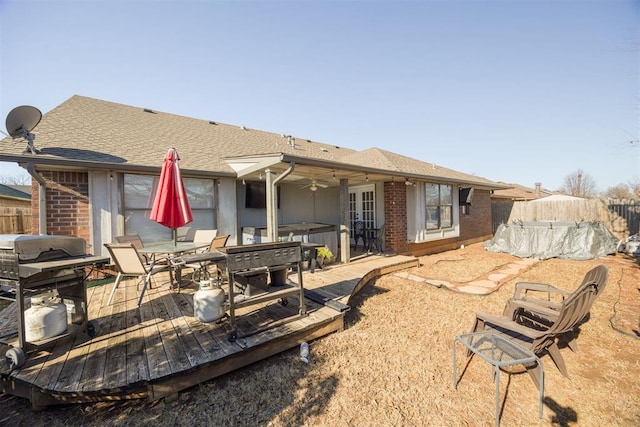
(513,91)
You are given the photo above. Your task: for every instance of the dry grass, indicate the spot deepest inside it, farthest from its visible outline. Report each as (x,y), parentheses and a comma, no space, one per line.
(392,365)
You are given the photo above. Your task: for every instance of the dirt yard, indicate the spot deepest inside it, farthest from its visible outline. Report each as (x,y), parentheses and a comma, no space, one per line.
(392,365)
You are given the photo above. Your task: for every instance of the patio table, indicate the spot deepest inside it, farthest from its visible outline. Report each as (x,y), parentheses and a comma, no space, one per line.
(498,352)
(173,250)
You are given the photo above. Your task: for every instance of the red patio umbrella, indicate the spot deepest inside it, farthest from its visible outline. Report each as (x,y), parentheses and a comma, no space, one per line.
(171,206)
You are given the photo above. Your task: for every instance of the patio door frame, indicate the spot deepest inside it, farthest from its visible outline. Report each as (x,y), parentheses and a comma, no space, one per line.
(362,206)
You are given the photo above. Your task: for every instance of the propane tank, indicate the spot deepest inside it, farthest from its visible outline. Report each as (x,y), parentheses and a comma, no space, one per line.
(208,302)
(46,318)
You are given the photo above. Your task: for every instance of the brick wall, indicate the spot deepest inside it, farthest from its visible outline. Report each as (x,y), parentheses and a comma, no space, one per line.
(395,217)
(474,227)
(67,204)
(478,222)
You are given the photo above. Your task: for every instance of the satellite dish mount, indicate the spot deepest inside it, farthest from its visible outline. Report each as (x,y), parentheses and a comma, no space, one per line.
(21,121)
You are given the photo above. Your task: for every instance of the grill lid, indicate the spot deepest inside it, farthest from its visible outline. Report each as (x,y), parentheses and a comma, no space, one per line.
(21,248)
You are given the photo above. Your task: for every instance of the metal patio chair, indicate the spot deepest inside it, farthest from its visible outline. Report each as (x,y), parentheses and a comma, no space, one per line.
(201,269)
(359,233)
(129,264)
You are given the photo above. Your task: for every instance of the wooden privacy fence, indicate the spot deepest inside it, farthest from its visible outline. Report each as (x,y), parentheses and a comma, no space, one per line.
(621,217)
(15,220)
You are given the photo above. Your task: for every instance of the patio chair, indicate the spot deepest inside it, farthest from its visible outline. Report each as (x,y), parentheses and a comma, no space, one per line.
(359,233)
(204,235)
(135,240)
(201,269)
(129,264)
(537,304)
(376,239)
(571,311)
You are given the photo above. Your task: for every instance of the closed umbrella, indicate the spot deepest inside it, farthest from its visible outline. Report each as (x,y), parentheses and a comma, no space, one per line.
(171,206)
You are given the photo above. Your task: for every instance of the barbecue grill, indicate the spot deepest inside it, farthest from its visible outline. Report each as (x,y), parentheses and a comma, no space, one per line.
(32,266)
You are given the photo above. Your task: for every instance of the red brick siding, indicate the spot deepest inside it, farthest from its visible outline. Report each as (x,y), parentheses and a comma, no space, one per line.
(474,228)
(478,222)
(395,217)
(67,204)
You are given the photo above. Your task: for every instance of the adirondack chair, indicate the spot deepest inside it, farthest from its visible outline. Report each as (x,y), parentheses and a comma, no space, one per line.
(529,306)
(572,310)
(129,264)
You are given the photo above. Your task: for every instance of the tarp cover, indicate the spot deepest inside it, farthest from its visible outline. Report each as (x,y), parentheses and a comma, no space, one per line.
(543,240)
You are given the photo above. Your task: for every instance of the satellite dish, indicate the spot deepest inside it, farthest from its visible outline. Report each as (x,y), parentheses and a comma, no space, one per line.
(21,121)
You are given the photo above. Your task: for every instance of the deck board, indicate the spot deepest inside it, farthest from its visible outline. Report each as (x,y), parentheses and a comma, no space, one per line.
(160,348)
(136,358)
(69,378)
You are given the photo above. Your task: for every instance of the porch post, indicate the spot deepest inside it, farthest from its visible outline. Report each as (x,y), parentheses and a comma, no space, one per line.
(272,208)
(345,236)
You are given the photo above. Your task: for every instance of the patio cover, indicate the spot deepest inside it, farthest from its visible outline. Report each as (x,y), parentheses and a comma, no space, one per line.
(558,239)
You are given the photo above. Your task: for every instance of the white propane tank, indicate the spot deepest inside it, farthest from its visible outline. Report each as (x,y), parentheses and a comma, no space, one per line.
(208,302)
(46,318)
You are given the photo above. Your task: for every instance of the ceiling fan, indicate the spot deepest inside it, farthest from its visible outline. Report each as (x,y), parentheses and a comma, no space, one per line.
(314,185)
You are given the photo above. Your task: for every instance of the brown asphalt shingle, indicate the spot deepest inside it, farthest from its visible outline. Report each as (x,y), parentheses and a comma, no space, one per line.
(121,136)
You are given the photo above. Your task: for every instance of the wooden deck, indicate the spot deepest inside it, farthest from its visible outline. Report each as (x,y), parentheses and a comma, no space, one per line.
(158,349)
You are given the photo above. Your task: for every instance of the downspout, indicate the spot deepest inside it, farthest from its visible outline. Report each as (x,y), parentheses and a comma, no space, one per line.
(42,198)
(272,201)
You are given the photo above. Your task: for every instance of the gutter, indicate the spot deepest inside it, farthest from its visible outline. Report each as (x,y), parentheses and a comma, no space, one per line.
(42,198)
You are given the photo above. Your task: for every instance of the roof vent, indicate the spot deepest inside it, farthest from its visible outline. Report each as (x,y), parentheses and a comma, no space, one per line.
(147,110)
(243,127)
(212,122)
(324,150)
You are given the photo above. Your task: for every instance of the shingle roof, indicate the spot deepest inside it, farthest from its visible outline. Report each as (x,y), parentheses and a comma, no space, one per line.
(519,192)
(7,191)
(99,133)
(393,162)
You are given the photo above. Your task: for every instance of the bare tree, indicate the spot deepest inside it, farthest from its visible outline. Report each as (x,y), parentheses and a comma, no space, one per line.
(620,191)
(579,184)
(634,185)
(23,178)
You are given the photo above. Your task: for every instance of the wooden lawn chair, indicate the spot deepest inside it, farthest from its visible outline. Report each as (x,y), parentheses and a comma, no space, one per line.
(537,304)
(572,310)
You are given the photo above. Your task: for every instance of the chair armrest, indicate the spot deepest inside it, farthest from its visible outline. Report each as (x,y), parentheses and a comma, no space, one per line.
(159,261)
(546,310)
(522,288)
(508,325)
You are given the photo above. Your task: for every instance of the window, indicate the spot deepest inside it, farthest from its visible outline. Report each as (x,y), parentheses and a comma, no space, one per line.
(256,195)
(439,206)
(139,192)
